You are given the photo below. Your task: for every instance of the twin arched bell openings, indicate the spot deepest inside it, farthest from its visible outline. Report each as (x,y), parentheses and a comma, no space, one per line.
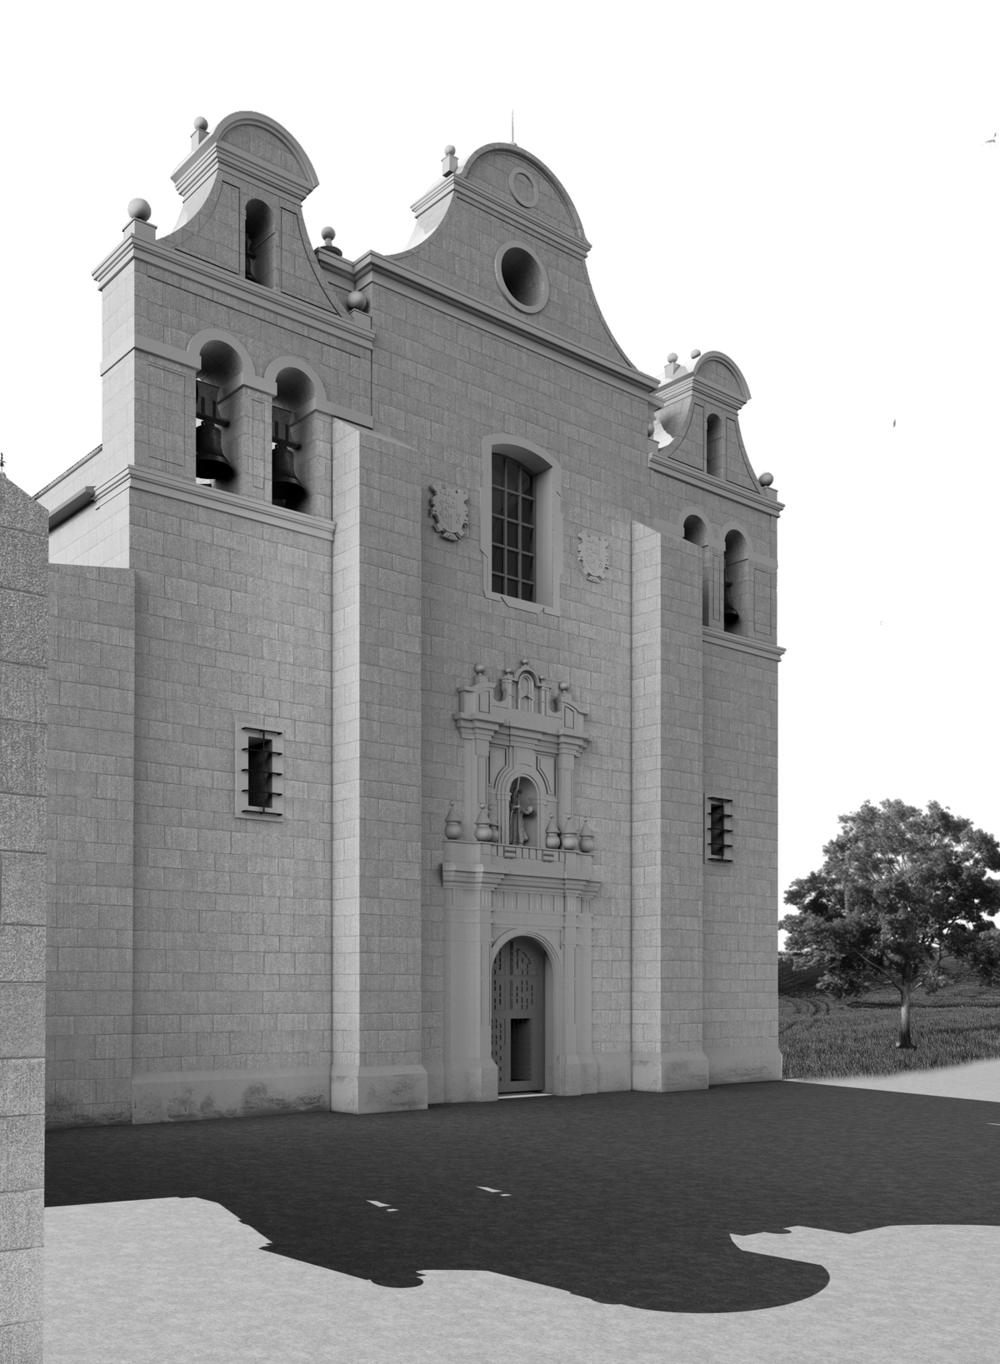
(735,575)
(228,444)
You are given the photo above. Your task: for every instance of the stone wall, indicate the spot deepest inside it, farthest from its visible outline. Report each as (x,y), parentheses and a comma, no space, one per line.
(91,846)
(23,610)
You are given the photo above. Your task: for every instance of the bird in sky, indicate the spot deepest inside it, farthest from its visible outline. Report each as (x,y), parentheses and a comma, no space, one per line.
(894,421)
(990,139)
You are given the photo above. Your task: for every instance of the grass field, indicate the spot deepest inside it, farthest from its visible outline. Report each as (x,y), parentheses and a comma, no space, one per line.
(823,1037)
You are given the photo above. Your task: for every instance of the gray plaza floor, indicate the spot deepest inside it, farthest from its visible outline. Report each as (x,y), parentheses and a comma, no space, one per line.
(145,1281)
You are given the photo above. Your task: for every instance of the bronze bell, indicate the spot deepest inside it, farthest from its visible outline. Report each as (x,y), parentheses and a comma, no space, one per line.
(729,611)
(210,462)
(286,490)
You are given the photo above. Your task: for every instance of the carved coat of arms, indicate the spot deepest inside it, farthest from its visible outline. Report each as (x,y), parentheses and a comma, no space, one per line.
(450,510)
(595,555)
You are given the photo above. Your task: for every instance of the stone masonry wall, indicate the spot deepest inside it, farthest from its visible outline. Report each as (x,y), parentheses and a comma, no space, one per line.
(90,831)
(23,648)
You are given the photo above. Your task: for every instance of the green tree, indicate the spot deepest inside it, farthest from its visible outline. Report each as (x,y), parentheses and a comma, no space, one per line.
(899,889)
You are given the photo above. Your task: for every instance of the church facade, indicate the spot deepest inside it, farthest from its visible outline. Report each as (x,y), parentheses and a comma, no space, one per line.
(412,722)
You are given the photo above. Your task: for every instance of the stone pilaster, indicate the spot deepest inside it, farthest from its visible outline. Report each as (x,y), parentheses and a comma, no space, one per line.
(667,813)
(377,798)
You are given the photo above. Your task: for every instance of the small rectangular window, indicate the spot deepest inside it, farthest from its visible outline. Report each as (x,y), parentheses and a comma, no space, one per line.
(258,772)
(718,829)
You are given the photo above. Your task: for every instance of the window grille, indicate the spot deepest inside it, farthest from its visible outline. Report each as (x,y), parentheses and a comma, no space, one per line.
(513,529)
(259,770)
(718,829)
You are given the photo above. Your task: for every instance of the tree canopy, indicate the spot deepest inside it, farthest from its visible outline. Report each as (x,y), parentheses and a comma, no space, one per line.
(899,889)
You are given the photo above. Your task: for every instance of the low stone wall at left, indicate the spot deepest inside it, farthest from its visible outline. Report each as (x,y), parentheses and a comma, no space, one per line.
(24,556)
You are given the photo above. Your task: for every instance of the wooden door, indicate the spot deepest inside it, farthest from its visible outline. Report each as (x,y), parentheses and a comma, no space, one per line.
(519,1016)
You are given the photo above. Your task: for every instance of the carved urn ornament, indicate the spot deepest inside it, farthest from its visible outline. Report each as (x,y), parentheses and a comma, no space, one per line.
(453,822)
(450,510)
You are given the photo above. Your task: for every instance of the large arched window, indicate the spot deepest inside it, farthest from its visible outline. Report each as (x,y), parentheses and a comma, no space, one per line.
(514,529)
(521,524)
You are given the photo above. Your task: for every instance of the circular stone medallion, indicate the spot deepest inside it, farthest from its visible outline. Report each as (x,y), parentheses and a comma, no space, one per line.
(523,186)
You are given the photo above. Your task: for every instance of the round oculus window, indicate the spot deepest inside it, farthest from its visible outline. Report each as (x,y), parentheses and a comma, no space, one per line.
(522,278)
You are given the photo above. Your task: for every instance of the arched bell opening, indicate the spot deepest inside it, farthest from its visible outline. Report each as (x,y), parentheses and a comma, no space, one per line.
(520,975)
(735,584)
(294,397)
(522,814)
(715,449)
(258,264)
(696,533)
(220,369)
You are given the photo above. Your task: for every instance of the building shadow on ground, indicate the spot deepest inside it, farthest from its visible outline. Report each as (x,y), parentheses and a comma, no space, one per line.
(626,1198)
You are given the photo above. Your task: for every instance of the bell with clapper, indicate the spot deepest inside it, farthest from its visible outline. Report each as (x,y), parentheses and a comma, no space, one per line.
(210,462)
(730,614)
(286,489)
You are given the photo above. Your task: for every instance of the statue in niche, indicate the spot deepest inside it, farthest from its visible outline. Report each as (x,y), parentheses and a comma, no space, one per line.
(522,807)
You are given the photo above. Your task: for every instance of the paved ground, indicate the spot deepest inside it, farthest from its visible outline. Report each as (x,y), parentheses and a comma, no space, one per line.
(977,1080)
(770,1223)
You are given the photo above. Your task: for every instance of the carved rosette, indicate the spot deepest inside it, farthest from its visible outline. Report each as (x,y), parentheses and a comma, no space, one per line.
(594,553)
(450,511)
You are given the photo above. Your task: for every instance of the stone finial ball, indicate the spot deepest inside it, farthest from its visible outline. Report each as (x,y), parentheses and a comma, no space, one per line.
(672,358)
(766,480)
(138,208)
(449,150)
(201,124)
(357,301)
(328,235)
(695,354)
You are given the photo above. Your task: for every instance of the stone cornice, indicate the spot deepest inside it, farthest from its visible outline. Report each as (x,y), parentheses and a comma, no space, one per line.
(161,351)
(662,464)
(543,732)
(204,163)
(204,274)
(338,266)
(741,644)
(477,864)
(386,271)
(697,386)
(457,187)
(132,477)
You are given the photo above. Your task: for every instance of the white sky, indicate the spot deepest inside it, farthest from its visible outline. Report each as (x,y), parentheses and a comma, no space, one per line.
(808,189)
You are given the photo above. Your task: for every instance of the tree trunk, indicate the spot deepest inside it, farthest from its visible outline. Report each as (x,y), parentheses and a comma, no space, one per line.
(904,1017)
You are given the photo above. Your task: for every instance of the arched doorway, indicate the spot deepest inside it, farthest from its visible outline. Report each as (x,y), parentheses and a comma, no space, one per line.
(519,1016)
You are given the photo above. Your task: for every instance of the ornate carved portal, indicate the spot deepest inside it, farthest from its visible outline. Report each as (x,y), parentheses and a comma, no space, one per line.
(517,864)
